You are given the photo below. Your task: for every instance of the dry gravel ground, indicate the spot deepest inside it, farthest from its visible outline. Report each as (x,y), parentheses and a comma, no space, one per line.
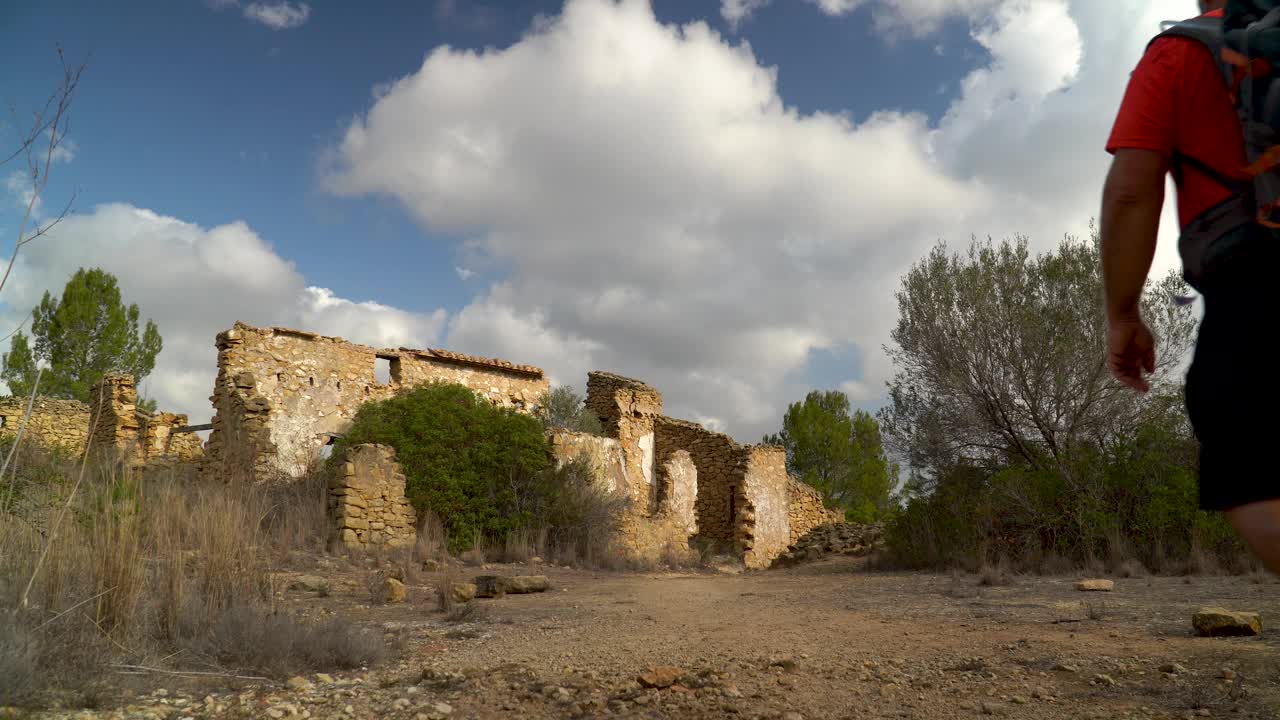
(825,640)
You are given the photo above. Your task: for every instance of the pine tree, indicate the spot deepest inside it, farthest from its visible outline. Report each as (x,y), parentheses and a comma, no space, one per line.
(80,337)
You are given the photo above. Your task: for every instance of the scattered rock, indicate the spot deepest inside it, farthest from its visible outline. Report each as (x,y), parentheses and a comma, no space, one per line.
(442,708)
(1220,622)
(832,539)
(309,583)
(492,586)
(660,677)
(1096,585)
(393,591)
(324,678)
(991,708)
(1172,668)
(1065,667)
(299,683)
(1102,679)
(1227,674)
(464,592)
(731,691)
(792,716)
(521,584)
(430,566)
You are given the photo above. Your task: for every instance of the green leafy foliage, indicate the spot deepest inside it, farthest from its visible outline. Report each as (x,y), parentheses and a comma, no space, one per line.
(1020,443)
(479,467)
(80,337)
(563,407)
(838,453)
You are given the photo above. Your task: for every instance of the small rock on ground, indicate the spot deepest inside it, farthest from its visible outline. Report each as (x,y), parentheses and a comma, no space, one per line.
(1220,622)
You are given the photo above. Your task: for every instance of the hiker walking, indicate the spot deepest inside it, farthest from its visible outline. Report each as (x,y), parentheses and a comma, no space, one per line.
(1202,105)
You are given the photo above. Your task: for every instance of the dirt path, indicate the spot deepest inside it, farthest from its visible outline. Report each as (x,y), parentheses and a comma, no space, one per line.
(818,641)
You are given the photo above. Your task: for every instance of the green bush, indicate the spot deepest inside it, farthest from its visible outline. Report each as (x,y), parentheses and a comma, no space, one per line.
(1133,499)
(479,467)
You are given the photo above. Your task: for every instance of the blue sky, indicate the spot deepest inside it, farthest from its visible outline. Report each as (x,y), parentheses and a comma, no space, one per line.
(193,110)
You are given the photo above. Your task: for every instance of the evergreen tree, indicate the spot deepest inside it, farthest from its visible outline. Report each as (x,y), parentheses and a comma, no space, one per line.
(80,337)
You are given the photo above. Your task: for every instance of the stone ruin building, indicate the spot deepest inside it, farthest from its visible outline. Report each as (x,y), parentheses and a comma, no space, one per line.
(282,395)
(685,483)
(110,425)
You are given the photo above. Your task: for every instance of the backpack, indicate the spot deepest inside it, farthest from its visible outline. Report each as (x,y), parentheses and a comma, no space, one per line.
(1245,42)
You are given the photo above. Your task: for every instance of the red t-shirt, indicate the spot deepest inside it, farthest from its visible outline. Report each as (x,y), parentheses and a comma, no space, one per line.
(1177,99)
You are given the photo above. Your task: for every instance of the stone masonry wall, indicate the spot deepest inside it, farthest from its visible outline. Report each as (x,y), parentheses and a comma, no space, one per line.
(719,462)
(120,430)
(160,444)
(639,534)
(113,402)
(282,394)
(62,424)
(627,409)
(806,510)
(367,503)
(765,517)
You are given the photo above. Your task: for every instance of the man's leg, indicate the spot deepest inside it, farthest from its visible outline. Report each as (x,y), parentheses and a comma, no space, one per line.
(1259,523)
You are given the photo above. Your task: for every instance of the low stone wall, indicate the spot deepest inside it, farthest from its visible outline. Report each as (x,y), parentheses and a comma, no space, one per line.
(367,503)
(120,432)
(160,444)
(61,424)
(806,509)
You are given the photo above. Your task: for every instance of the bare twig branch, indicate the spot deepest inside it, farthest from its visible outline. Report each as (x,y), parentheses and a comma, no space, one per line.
(73,607)
(56,128)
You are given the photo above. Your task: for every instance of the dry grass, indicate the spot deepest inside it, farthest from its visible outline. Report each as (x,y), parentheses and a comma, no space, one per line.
(1094,609)
(164,569)
(996,575)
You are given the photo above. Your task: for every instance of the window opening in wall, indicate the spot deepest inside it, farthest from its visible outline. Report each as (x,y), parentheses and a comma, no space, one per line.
(382,370)
(279,377)
(733,511)
(312,381)
(3,421)
(339,384)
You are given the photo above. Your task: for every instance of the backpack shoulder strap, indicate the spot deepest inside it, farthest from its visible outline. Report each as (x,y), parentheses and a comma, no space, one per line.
(1205,30)
(1208,32)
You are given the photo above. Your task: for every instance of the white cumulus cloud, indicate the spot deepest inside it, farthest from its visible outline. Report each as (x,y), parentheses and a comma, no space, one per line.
(195,282)
(666,215)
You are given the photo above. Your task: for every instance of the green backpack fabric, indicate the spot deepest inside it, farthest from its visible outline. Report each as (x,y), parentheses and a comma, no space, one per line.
(1245,42)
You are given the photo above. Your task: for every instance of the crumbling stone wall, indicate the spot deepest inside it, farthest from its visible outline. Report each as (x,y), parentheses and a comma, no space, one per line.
(54,423)
(282,394)
(120,432)
(641,535)
(806,509)
(719,462)
(161,444)
(113,403)
(627,410)
(367,503)
(764,521)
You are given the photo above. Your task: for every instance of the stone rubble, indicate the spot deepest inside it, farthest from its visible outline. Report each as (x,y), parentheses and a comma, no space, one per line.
(833,539)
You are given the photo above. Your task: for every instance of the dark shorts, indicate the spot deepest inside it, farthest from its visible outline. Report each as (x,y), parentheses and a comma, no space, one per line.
(1232,390)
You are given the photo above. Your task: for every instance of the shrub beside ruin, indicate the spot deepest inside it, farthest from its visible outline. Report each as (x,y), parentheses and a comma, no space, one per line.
(485,470)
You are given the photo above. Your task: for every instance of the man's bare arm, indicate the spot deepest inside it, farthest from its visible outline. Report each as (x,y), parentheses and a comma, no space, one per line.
(1131,202)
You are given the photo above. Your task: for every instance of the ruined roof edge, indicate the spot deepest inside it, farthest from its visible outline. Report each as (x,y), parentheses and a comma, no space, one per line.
(430,353)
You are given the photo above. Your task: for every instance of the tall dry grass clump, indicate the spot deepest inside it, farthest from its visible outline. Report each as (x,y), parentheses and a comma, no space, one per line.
(158,569)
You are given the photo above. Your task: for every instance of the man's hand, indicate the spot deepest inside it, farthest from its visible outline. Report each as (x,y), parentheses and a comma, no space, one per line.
(1131,349)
